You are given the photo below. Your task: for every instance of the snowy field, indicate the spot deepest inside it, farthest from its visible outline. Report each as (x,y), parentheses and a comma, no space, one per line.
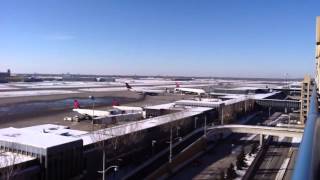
(141,82)
(33,93)
(61,84)
(6,87)
(104,89)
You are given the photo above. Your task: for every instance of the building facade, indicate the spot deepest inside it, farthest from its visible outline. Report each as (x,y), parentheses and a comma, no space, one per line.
(4,76)
(306,91)
(318,52)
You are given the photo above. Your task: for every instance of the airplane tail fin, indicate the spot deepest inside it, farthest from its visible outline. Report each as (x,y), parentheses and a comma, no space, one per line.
(128,86)
(177,85)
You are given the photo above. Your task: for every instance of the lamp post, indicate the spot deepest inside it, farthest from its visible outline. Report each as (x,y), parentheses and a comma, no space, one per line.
(106,170)
(153,142)
(178,131)
(93,103)
(195,122)
(170,146)
(205,126)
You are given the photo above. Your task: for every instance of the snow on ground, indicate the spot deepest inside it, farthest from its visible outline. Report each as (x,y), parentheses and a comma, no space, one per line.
(62,84)
(249,160)
(33,93)
(6,87)
(104,89)
(296,140)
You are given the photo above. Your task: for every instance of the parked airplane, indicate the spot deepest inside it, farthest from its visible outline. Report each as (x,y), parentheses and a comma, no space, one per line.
(151,92)
(90,113)
(188,90)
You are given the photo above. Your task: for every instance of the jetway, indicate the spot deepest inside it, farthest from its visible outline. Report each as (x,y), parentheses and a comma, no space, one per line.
(278,103)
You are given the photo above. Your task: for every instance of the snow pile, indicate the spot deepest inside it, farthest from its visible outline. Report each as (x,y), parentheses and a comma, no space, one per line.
(6,87)
(249,160)
(33,93)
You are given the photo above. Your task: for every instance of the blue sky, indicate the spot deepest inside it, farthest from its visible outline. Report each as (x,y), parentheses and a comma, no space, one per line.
(237,38)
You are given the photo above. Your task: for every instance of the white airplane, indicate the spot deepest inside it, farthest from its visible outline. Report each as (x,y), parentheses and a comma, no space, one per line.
(188,90)
(151,92)
(102,113)
(92,113)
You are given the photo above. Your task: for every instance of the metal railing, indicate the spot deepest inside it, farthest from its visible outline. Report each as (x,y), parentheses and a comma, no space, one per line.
(307,161)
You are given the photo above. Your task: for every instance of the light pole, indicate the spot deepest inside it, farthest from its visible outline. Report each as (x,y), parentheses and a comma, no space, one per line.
(153,142)
(178,130)
(170,146)
(195,122)
(105,170)
(222,120)
(93,103)
(269,111)
(205,126)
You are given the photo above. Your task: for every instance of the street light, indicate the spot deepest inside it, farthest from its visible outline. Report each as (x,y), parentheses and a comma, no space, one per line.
(171,144)
(93,103)
(153,142)
(178,130)
(170,154)
(205,126)
(106,170)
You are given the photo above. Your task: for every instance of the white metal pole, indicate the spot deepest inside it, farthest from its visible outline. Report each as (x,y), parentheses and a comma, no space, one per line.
(222,116)
(104,164)
(170,155)
(205,125)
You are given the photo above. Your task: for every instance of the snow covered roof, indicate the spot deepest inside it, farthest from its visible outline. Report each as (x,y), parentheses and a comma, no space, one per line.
(25,139)
(199,103)
(266,95)
(161,106)
(247,88)
(108,133)
(55,129)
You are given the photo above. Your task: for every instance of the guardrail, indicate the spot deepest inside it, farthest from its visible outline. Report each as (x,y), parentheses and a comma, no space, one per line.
(307,161)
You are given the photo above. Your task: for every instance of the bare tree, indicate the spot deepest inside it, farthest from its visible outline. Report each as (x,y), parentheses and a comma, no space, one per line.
(8,164)
(108,138)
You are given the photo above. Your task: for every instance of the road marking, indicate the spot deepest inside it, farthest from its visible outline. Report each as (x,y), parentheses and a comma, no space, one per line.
(282,169)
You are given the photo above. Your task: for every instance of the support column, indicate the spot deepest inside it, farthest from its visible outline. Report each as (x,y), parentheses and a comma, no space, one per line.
(286,110)
(269,111)
(195,122)
(261,140)
(222,118)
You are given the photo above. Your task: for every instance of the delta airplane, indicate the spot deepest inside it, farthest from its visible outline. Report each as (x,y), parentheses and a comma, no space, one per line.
(103,113)
(188,90)
(151,92)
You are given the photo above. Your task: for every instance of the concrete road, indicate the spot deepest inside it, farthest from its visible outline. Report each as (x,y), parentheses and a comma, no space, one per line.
(275,161)
(212,163)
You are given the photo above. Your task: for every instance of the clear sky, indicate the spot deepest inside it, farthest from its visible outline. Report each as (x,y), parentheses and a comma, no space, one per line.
(237,38)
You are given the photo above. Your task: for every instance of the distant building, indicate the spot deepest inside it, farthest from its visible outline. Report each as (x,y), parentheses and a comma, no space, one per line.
(4,76)
(182,79)
(306,91)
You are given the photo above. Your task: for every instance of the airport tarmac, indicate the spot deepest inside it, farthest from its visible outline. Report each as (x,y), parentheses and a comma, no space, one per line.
(56,116)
